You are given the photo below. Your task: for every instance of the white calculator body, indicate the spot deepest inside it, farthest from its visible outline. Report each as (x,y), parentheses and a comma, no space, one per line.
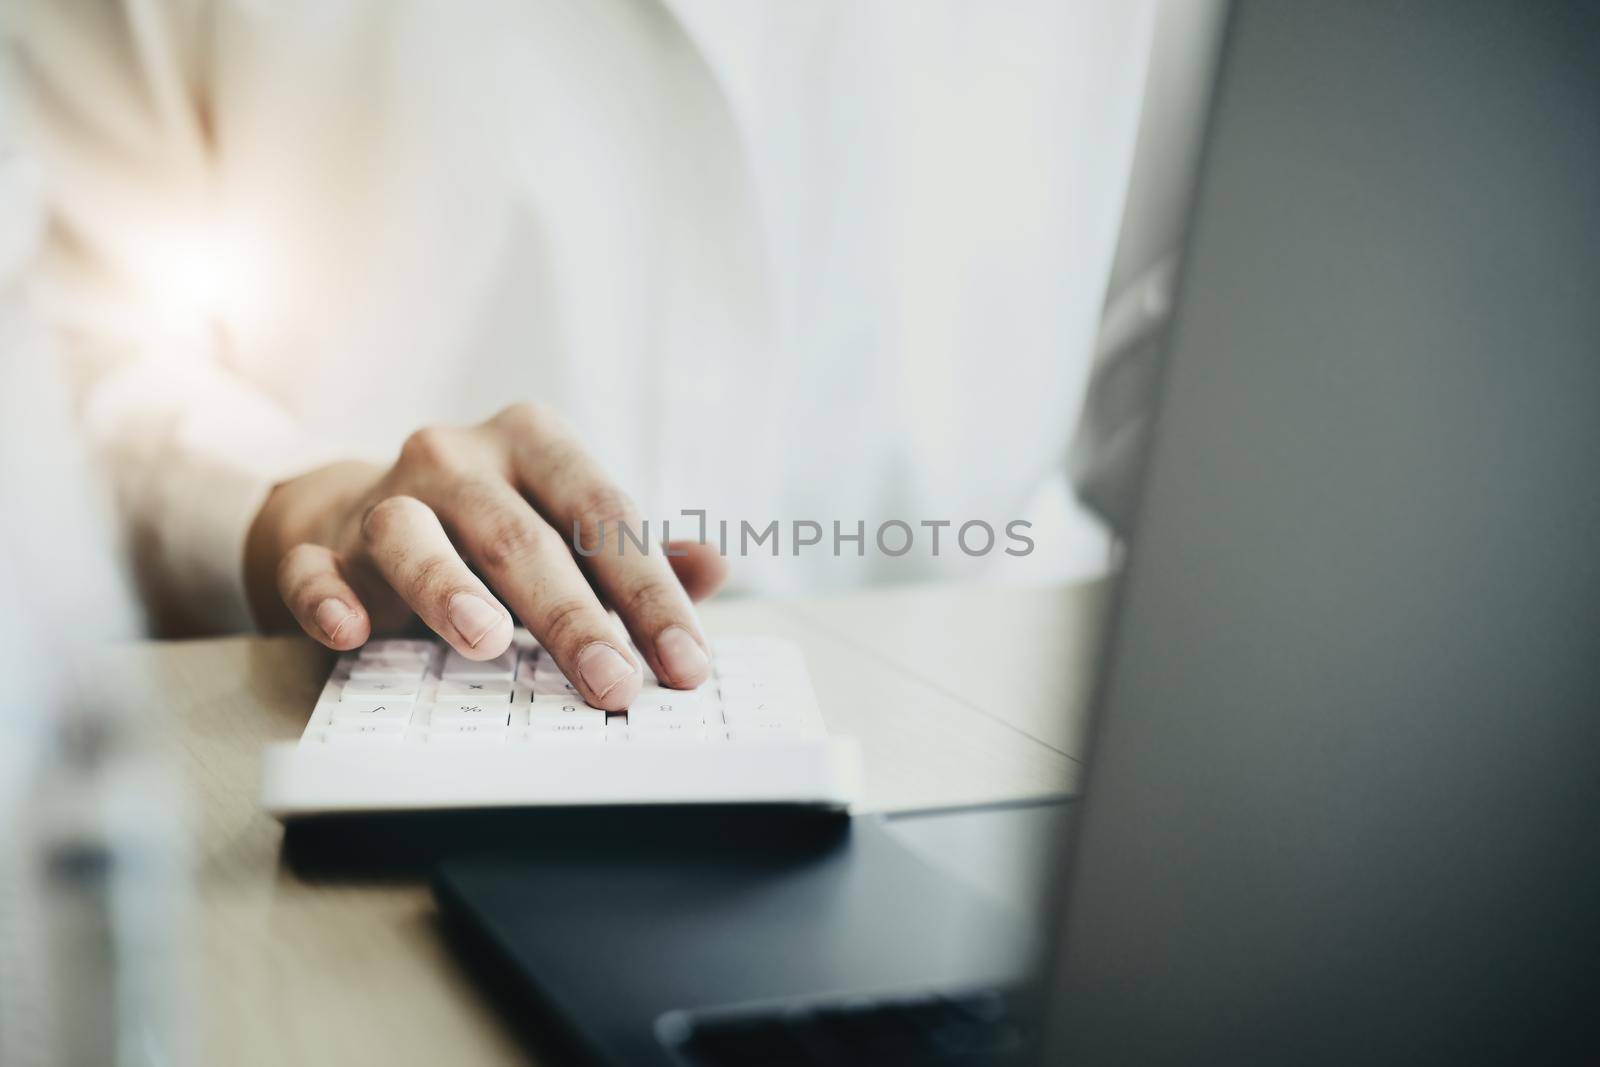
(411,725)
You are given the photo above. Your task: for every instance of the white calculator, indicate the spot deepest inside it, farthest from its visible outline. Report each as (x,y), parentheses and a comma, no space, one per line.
(413,725)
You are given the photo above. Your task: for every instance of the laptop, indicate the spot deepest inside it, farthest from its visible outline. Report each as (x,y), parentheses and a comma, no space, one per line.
(1343,796)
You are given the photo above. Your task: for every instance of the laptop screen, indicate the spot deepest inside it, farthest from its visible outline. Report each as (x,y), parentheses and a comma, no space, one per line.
(1343,801)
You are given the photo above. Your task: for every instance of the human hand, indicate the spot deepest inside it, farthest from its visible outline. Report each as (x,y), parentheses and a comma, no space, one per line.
(353,549)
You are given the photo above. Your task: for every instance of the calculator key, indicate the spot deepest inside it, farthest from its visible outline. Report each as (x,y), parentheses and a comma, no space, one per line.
(406,664)
(361,738)
(679,730)
(359,732)
(467,726)
(467,737)
(389,689)
(487,714)
(564,689)
(370,711)
(544,676)
(759,721)
(754,709)
(457,666)
(366,726)
(568,724)
(366,672)
(545,670)
(453,689)
(558,702)
(394,659)
(669,740)
(396,646)
(560,737)
(566,713)
(737,667)
(677,709)
(651,714)
(660,694)
(745,688)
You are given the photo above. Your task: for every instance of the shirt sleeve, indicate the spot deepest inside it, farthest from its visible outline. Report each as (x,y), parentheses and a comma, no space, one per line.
(114,101)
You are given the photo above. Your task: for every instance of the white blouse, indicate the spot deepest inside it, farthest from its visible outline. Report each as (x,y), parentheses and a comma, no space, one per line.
(829,261)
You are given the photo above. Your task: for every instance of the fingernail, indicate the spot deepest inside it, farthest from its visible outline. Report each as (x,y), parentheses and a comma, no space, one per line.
(332,617)
(603,668)
(681,654)
(473,617)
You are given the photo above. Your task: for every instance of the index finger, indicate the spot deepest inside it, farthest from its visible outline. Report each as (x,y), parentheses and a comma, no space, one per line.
(574,492)
(528,564)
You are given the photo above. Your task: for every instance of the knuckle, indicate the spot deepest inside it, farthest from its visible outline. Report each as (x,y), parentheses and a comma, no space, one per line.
(564,624)
(602,503)
(532,419)
(648,599)
(522,413)
(433,577)
(432,447)
(383,517)
(510,542)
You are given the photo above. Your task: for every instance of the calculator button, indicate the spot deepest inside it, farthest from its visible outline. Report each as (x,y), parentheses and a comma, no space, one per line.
(457,666)
(438,728)
(388,689)
(454,689)
(745,688)
(385,661)
(660,694)
(363,732)
(737,667)
(561,737)
(557,701)
(761,729)
(366,726)
(469,737)
(575,724)
(370,711)
(397,646)
(563,689)
(546,713)
(546,671)
(754,709)
(367,672)
(654,714)
(383,737)
(477,713)
(656,730)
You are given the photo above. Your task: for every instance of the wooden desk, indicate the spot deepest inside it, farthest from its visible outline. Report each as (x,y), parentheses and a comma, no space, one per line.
(957,694)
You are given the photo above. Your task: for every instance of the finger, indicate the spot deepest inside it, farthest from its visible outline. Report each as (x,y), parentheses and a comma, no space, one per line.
(312,583)
(573,491)
(532,568)
(409,547)
(700,568)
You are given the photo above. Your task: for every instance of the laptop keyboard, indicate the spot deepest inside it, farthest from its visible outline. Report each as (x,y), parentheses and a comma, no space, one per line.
(405,692)
(983,1028)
